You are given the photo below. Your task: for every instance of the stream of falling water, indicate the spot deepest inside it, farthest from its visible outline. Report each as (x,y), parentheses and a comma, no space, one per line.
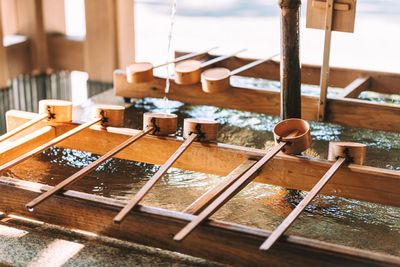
(168,66)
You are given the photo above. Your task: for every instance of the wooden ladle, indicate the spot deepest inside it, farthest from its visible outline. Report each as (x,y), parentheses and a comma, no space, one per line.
(217,80)
(194,130)
(294,134)
(188,72)
(342,153)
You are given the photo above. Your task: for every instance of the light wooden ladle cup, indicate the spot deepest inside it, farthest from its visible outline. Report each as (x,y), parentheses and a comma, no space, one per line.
(142,72)
(216,80)
(194,130)
(51,110)
(189,71)
(342,153)
(293,137)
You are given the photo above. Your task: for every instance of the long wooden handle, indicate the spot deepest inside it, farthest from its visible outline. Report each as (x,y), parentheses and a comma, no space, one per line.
(218,59)
(49,144)
(22,127)
(188,56)
(153,180)
(80,174)
(302,205)
(251,65)
(204,200)
(229,193)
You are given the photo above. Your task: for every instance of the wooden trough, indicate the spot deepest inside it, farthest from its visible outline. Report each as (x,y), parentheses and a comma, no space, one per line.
(215,240)
(344,109)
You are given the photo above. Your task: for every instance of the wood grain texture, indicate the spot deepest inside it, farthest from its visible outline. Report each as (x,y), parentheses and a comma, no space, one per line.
(19,58)
(54,16)
(344,13)
(364,114)
(47,145)
(324,81)
(11,150)
(153,180)
(125,22)
(356,87)
(65,53)
(100,49)
(290,75)
(229,193)
(215,240)
(289,220)
(204,200)
(22,127)
(30,21)
(383,82)
(83,172)
(4,73)
(352,181)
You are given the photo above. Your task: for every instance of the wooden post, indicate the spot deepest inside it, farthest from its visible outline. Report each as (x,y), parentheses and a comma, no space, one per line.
(4,74)
(54,16)
(325,63)
(100,43)
(109,40)
(30,22)
(290,71)
(125,32)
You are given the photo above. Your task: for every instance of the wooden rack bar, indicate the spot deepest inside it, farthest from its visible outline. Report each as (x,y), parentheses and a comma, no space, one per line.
(215,240)
(364,114)
(353,181)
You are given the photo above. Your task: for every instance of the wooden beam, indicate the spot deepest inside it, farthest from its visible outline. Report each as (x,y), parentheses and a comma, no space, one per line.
(66,53)
(4,74)
(364,114)
(353,181)
(9,17)
(100,50)
(356,87)
(54,16)
(215,240)
(11,150)
(290,76)
(125,32)
(19,58)
(31,24)
(267,101)
(382,82)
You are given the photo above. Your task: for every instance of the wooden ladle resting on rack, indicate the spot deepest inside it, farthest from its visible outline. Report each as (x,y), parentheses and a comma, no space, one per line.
(292,137)
(51,110)
(188,72)
(60,113)
(194,130)
(217,80)
(161,125)
(342,153)
(142,72)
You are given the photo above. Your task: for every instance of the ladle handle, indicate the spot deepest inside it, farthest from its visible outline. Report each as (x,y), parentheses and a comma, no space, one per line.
(153,180)
(80,174)
(251,65)
(204,200)
(35,120)
(184,57)
(49,144)
(302,205)
(228,193)
(218,59)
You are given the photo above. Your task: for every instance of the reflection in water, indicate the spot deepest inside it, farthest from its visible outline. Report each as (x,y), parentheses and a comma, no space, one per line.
(338,220)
